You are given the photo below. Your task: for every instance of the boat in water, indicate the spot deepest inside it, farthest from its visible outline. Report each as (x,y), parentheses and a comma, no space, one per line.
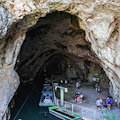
(47,97)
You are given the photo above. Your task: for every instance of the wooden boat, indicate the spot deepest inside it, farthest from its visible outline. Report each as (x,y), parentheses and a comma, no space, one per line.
(64,114)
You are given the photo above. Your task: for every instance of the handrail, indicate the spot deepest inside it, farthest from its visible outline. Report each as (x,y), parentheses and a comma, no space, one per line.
(83,108)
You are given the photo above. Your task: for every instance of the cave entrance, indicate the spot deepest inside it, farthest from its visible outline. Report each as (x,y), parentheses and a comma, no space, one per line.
(56,44)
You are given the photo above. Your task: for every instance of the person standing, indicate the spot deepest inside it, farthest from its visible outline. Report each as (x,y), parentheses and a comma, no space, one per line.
(61,82)
(81,97)
(94,81)
(98,89)
(78,85)
(76,94)
(78,97)
(108,103)
(66,82)
(96,86)
(101,103)
(98,103)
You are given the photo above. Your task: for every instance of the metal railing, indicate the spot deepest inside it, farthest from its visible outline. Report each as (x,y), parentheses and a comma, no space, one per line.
(86,113)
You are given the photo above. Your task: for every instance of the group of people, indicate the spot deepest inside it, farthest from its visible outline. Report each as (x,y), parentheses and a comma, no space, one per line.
(78,97)
(99,103)
(66,82)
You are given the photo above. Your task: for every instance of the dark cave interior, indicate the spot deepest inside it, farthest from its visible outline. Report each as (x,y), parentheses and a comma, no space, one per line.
(53,43)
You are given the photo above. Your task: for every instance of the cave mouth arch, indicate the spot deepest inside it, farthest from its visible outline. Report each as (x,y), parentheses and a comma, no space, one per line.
(57,40)
(46,41)
(93,16)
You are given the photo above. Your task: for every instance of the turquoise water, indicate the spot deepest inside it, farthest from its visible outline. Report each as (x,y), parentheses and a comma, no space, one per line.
(27,105)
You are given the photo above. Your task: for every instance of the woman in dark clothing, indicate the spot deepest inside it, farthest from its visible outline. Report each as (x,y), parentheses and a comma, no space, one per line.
(76,94)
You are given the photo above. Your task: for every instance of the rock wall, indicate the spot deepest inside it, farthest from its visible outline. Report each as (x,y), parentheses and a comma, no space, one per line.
(100,19)
(96,71)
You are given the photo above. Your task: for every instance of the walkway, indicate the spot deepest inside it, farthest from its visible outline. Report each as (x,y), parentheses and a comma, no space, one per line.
(90,96)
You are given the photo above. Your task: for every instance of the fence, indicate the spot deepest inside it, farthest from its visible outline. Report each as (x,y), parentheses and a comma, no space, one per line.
(107,115)
(88,114)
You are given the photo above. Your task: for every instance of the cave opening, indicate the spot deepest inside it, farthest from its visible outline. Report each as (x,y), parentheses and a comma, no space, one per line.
(56,44)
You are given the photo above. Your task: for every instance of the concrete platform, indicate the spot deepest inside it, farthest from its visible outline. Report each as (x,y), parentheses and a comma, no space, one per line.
(89,93)
(90,96)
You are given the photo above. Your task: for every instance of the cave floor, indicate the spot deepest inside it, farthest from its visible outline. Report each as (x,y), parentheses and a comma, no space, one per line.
(89,93)
(90,97)
(30,110)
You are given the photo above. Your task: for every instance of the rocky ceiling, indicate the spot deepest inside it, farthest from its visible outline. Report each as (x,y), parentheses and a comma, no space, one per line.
(57,34)
(98,19)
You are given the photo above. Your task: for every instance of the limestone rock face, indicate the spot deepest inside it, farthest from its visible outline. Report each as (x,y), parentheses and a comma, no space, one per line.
(100,19)
(5,21)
